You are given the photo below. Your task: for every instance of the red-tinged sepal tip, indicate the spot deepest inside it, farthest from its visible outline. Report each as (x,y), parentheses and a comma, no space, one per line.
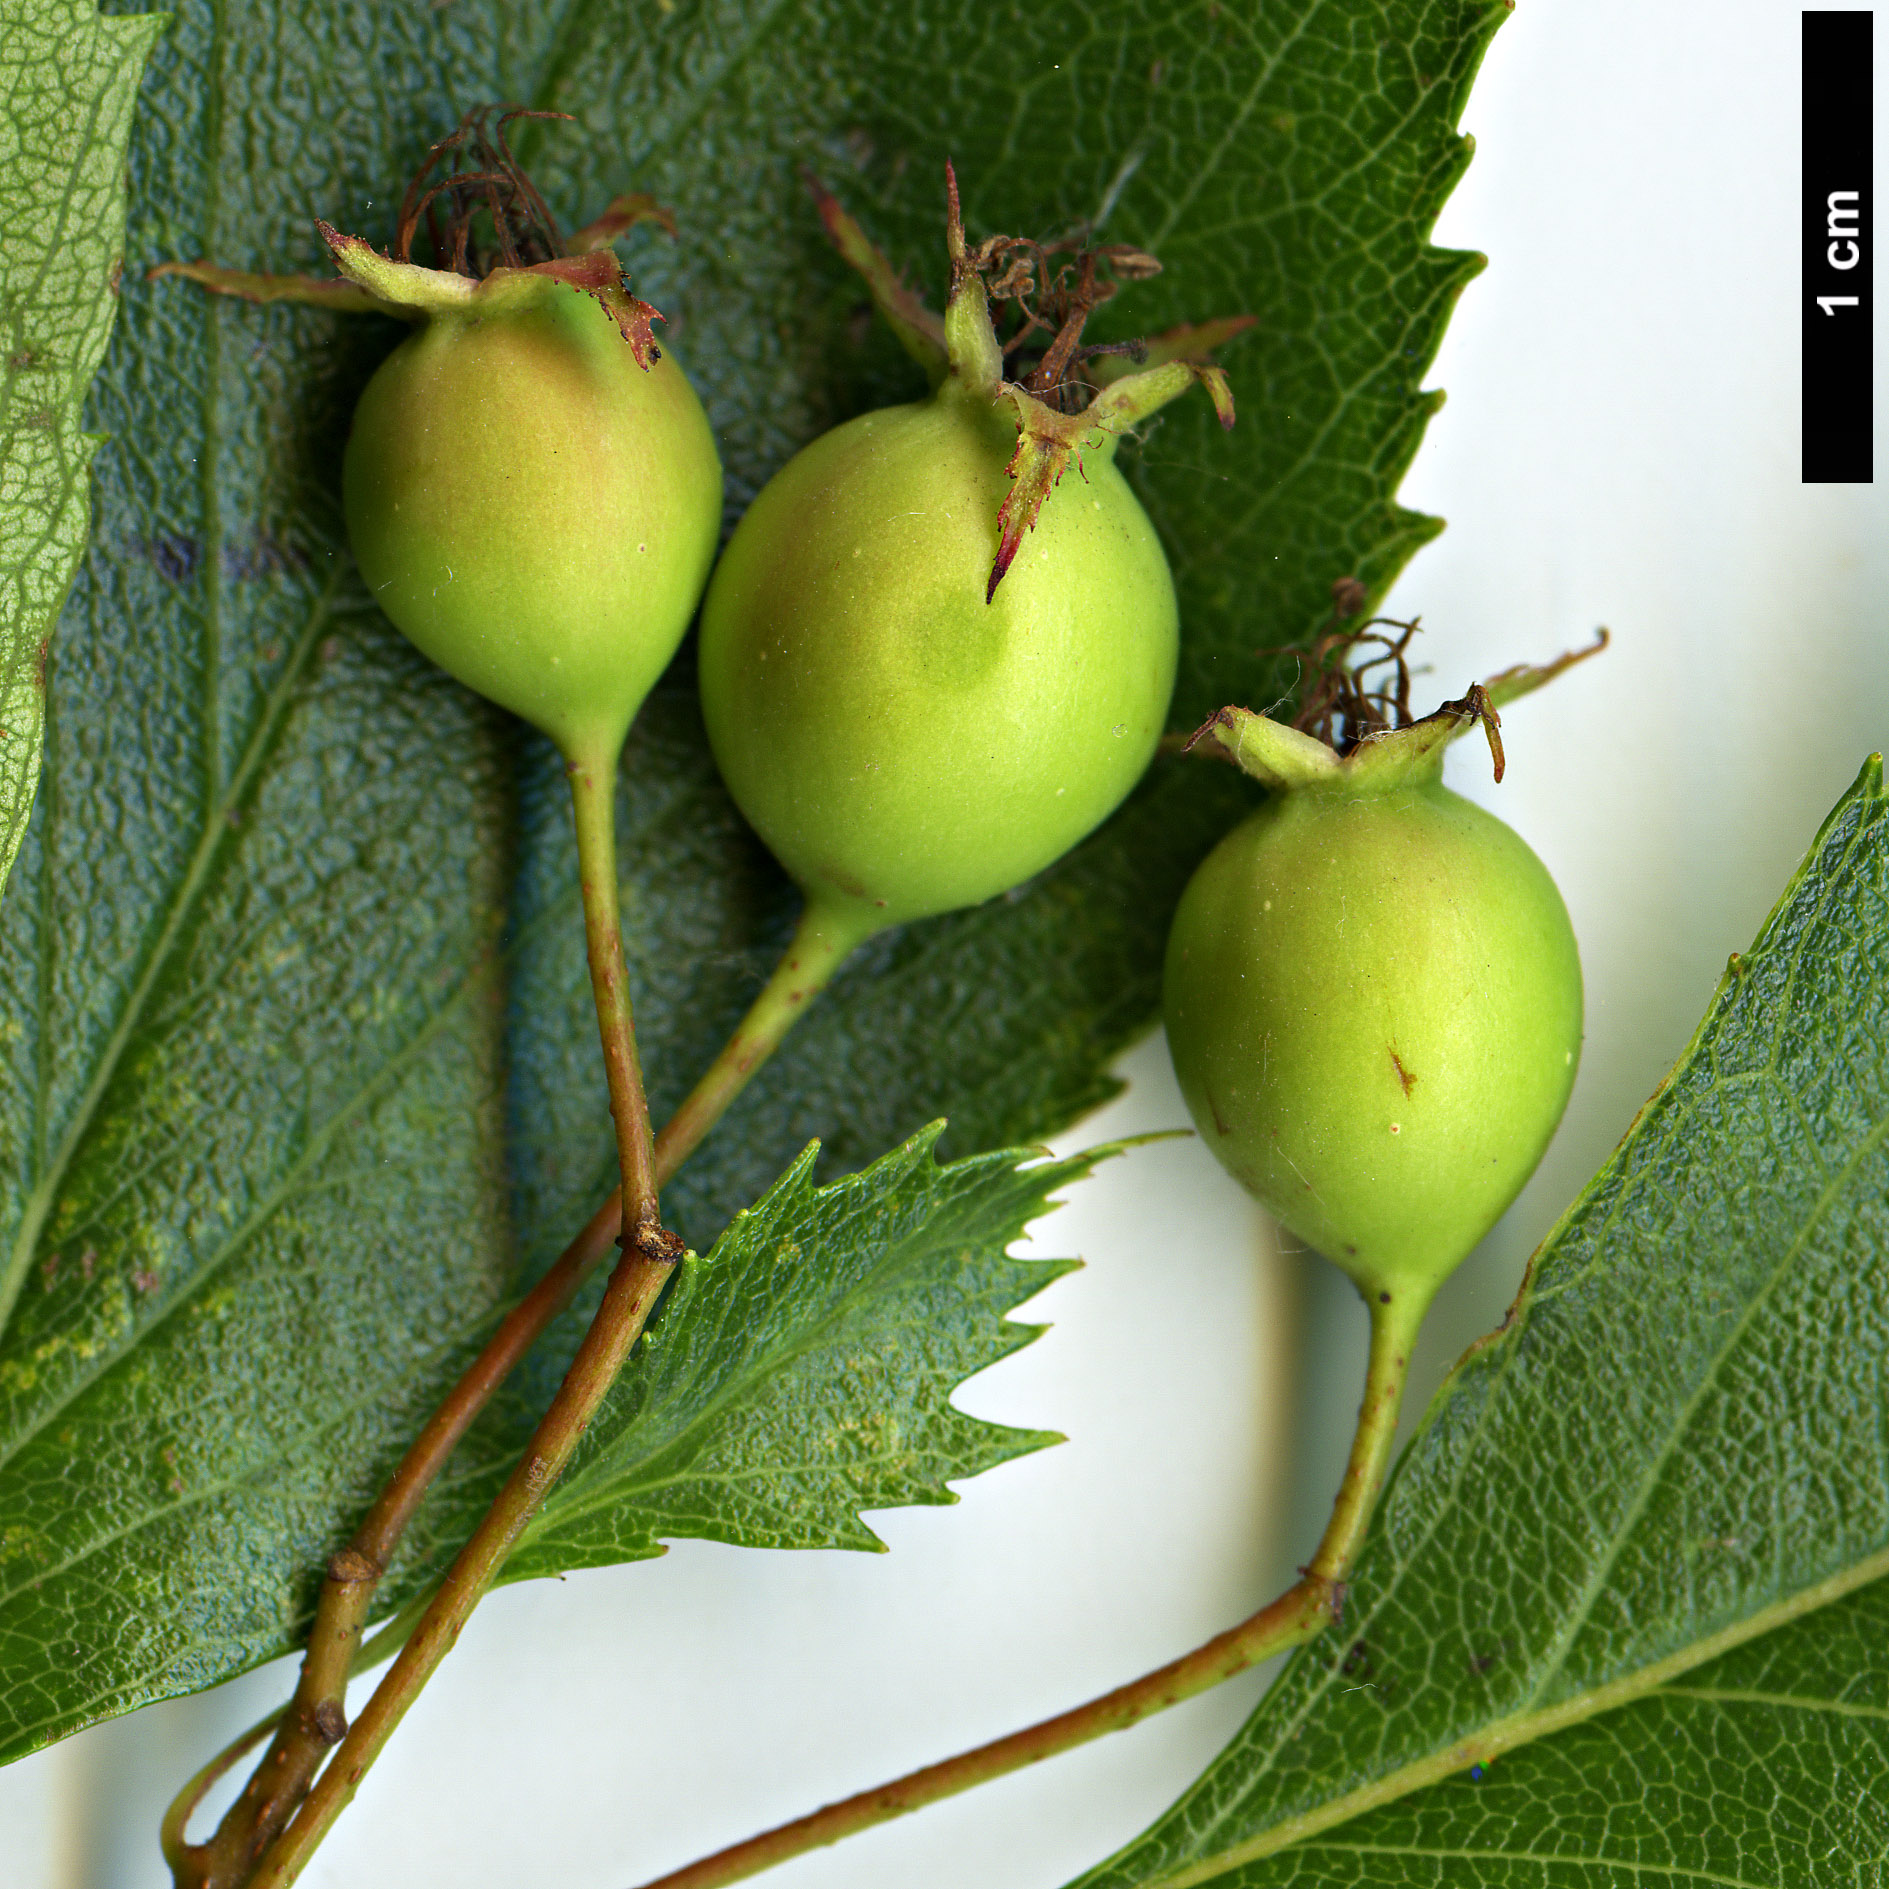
(920,332)
(1133,397)
(955,245)
(1220,392)
(622,215)
(601,276)
(1046,442)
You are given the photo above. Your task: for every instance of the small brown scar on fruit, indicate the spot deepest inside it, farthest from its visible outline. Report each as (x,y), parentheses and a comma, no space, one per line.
(1383,1298)
(1213,1109)
(1403,1075)
(846,883)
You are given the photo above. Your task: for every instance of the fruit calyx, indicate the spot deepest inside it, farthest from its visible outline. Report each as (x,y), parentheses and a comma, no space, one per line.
(1073,398)
(525,258)
(1357,735)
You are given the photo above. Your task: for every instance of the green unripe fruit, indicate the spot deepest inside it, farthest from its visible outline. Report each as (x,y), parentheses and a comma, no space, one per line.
(1373,1000)
(939,648)
(534,509)
(902,745)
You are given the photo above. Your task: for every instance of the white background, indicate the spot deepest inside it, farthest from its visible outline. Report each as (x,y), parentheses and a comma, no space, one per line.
(1620,447)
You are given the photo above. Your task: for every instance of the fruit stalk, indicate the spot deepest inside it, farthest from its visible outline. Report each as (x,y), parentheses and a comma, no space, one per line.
(826,936)
(647,1261)
(649,1256)
(593,805)
(185,1860)
(821,943)
(1315,1601)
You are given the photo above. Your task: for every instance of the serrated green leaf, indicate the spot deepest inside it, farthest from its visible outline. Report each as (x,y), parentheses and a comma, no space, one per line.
(250,1027)
(1641,1537)
(67,83)
(803,1370)
(1762,1768)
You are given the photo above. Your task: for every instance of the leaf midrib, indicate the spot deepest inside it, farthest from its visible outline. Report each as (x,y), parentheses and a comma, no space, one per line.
(1235,125)
(215,832)
(738,1385)
(1522,1728)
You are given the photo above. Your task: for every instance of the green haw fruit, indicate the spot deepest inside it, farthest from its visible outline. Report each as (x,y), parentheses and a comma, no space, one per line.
(1373,997)
(533,495)
(897,741)
(930,663)
(531,487)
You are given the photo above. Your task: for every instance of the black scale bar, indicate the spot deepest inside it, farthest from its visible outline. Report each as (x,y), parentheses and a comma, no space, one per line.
(1839,237)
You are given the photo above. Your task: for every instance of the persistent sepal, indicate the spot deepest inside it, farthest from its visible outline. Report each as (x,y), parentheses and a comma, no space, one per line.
(920,333)
(402,288)
(620,216)
(1287,760)
(1047,441)
(1133,397)
(1400,755)
(1275,755)
(1524,678)
(1075,399)
(343,298)
(600,275)
(406,288)
(1284,758)
(976,358)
